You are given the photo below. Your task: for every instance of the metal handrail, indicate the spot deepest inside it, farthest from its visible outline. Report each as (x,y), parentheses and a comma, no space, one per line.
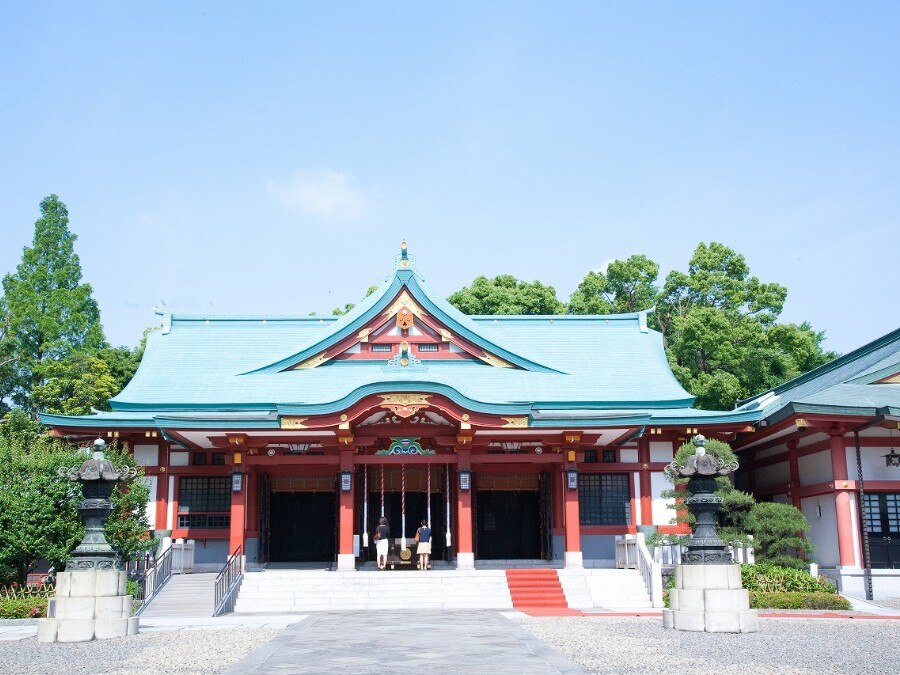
(228,582)
(153,579)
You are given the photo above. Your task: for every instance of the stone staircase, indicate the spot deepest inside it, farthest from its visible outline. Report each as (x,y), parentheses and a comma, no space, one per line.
(296,590)
(183,595)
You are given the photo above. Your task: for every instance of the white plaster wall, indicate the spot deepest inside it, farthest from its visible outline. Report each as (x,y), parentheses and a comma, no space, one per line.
(768,452)
(661,451)
(815,468)
(873,464)
(146,455)
(170,515)
(178,458)
(636,491)
(628,455)
(150,481)
(662,514)
(773,475)
(823,529)
(854,526)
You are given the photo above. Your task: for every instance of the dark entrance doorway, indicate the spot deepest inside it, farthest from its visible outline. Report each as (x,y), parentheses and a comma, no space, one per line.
(507,524)
(302,527)
(416,510)
(883,524)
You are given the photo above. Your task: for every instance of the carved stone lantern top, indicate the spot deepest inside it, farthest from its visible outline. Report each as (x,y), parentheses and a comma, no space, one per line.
(98,467)
(700,463)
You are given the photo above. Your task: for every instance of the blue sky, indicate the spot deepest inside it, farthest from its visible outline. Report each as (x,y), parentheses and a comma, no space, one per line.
(269,157)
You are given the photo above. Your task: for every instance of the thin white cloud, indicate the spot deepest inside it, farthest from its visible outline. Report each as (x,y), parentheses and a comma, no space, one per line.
(324,193)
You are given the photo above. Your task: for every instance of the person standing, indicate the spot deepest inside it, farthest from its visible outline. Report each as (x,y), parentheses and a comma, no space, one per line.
(423,537)
(382,540)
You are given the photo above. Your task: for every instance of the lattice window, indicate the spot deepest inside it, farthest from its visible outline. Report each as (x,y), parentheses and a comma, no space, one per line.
(204,494)
(604,499)
(382,348)
(873,514)
(428,348)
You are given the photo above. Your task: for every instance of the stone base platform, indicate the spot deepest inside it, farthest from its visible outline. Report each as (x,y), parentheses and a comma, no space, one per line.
(710,598)
(89,604)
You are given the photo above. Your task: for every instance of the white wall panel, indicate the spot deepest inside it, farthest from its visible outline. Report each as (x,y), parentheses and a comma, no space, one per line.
(636,491)
(661,451)
(873,464)
(150,481)
(815,468)
(774,474)
(628,455)
(178,458)
(146,455)
(823,528)
(662,514)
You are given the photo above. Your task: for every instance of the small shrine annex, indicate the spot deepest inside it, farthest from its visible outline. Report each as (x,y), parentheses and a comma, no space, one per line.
(517,437)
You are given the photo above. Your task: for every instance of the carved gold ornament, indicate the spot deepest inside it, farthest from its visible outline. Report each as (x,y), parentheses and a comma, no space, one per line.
(515,422)
(313,362)
(404,405)
(495,361)
(404,300)
(293,422)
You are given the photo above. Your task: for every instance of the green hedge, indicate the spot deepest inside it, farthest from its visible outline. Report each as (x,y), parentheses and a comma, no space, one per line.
(767,578)
(793,600)
(23,608)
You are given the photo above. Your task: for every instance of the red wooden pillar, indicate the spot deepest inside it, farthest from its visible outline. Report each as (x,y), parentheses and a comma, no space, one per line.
(842,497)
(465,556)
(346,558)
(573,557)
(644,480)
(794,463)
(238,510)
(162,500)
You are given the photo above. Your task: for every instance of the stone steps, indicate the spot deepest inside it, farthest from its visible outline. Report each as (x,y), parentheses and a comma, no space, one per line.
(184,595)
(286,590)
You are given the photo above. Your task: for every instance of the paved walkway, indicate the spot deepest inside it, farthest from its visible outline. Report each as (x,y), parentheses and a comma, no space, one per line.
(414,641)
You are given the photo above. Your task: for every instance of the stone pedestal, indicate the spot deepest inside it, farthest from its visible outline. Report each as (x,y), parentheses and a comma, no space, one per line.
(574,560)
(465,561)
(346,562)
(710,598)
(88,604)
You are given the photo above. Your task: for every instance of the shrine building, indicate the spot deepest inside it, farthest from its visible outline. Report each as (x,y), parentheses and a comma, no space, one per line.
(516,437)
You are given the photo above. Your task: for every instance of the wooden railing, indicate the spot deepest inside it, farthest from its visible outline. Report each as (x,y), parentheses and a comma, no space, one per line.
(228,582)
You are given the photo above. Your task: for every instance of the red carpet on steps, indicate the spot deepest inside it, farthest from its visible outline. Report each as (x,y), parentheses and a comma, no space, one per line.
(537,592)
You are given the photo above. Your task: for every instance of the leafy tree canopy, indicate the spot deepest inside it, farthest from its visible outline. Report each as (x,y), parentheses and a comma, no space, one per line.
(627,286)
(46,311)
(719,323)
(337,311)
(38,518)
(504,294)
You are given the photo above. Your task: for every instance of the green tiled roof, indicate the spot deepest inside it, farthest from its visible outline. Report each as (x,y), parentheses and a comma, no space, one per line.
(847,385)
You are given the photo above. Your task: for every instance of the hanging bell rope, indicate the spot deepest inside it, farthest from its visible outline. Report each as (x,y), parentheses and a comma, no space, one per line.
(382,490)
(403,506)
(428,497)
(365,541)
(447,492)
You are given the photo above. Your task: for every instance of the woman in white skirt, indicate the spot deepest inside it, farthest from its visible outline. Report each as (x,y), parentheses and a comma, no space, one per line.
(423,536)
(382,539)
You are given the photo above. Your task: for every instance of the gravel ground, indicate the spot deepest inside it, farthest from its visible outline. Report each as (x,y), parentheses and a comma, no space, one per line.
(183,651)
(893,603)
(634,645)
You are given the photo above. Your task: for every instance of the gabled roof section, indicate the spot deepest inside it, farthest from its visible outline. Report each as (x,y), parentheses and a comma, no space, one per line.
(403,289)
(861,381)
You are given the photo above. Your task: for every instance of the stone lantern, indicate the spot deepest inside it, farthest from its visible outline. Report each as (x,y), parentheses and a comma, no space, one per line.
(90,600)
(708,595)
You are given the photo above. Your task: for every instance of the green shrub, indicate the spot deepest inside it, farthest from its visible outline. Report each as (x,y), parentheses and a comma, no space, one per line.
(767,578)
(23,608)
(793,600)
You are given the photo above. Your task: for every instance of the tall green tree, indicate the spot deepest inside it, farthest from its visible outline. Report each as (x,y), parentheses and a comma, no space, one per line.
(338,311)
(722,339)
(46,312)
(627,286)
(38,518)
(504,294)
